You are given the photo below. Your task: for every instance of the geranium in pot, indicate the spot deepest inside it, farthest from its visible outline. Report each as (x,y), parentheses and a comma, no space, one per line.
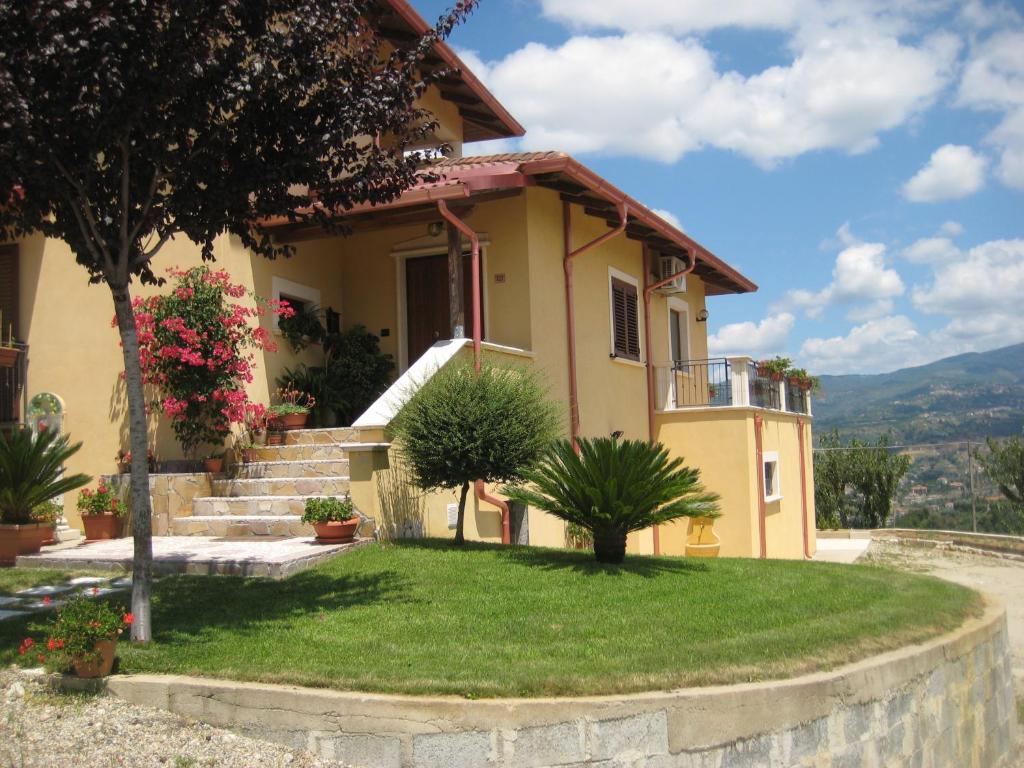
(334,520)
(48,513)
(292,412)
(124,461)
(81,636)
(214,463)
(101,513)
(774,369)
(31,474)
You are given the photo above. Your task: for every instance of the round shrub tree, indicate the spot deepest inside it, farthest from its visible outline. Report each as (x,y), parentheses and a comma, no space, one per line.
(613,487)
(461,426)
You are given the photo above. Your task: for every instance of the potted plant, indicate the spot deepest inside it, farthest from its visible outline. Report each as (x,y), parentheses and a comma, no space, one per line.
(334,520)
(292,411)
(712,392)
(101,512)
(124,461)
(31,475)
(8,351)
(253,435)
(774,369)
(81,636)
(275,436)
(48,513)
(214,463)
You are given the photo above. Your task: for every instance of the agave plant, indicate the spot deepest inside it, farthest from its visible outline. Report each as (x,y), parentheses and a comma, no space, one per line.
(613,487)
(31,472)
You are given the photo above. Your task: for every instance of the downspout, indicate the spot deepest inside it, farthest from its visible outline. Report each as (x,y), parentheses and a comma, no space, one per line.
(570,309)
(648,290)
(479,487)
(803,489)
(761,510)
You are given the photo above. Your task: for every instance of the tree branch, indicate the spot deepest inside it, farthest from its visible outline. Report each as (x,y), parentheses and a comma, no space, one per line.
(108,262)
(145,257)
(148,205)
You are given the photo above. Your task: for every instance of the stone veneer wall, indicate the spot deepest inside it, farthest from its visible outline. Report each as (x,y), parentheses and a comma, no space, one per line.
(170,496)
(948,702)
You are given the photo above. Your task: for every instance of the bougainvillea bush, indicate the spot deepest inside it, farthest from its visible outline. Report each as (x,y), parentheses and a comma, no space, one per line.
(196,346)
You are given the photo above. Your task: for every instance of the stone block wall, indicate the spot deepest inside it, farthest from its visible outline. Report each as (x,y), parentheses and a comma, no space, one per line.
(170,496)
(945,703)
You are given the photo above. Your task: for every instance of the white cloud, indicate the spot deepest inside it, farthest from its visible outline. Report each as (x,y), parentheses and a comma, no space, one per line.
(883,344)
(931,250)
(650,95)
(989,280)
(670,217)
(954,171)
(993,79)
(678,17)
(858,277)
(759,340)
(951,229)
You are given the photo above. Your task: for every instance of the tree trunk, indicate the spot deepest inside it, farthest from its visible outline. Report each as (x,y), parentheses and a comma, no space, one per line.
(460,536)
(142,563)
(610,547)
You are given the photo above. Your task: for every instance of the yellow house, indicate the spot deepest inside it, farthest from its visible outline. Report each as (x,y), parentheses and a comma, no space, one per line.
(573,276)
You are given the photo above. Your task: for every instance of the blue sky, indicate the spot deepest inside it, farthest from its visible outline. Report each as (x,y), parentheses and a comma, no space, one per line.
(862,161)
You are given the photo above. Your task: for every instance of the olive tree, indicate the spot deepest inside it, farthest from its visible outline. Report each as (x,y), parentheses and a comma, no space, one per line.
(125,123)
(461,426)
(1004,464)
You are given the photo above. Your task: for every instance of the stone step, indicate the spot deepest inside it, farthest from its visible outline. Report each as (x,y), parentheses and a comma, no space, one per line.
(321,436)
(264,506)
(299,468)
(283,486)
(247,526)
(298,452)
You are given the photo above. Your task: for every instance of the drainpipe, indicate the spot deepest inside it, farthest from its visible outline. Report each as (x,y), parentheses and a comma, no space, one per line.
(648,290)
(570,310)
(803,488)
(761,510)
(479,487)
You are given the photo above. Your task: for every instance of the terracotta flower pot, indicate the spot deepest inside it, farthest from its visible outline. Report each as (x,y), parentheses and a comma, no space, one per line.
(21,540)
(50,535)
(100,527)
(249,455)
(100,667)
(275,438)
(336,531)
(213,466)
(776,377)
(292,420)
(8,356)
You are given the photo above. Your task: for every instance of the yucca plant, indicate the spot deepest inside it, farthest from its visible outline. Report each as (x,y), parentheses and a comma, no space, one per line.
(31,473)
(614,487)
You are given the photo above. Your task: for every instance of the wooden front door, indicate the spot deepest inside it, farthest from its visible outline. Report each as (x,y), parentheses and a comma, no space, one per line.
(426,297)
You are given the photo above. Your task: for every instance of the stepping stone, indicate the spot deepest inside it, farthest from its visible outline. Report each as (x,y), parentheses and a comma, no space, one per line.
(87,581)
(40,605)
(122,583)
(102,592)
(44,591)
(7,602)
(4,615)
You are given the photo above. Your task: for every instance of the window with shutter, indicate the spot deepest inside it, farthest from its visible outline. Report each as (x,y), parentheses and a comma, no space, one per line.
(625,320)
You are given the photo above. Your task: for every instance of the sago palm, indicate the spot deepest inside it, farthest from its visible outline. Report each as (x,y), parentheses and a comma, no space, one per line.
(31,472)
(614,487)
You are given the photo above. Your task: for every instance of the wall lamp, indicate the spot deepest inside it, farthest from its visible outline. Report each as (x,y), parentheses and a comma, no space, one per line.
(702,316)
(434,228)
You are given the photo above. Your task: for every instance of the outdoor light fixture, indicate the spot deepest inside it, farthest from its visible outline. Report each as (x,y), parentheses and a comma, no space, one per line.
(702,316)
(617,434)
(434,228)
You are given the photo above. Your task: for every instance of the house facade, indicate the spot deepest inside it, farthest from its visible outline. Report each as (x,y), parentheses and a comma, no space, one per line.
(574,277)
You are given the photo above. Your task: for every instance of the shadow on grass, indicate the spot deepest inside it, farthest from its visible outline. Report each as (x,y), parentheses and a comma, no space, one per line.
(579,561)
(187,605)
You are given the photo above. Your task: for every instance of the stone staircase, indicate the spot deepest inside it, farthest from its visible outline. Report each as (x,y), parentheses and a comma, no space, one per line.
(266,497)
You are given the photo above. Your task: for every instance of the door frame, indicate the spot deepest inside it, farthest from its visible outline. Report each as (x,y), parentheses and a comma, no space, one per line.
(401,315)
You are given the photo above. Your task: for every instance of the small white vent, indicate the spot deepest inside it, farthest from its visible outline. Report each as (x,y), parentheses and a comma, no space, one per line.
(668,266)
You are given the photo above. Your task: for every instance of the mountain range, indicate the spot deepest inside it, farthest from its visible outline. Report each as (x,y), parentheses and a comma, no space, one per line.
(964,397)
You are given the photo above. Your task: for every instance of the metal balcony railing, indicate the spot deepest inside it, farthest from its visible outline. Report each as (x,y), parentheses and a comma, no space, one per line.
(764,393)
(13,389)
(701,383)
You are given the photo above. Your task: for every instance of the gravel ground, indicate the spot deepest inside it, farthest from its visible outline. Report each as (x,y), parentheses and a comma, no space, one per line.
(41,729)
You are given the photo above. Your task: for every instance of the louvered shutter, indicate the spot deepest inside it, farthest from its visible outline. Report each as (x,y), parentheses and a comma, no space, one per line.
(9,290)
(625,320)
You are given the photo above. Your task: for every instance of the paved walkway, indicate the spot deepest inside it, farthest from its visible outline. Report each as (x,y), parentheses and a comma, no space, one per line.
(196,555)
(841,550)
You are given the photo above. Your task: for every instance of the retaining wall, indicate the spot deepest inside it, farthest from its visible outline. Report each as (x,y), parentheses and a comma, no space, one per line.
(948,702)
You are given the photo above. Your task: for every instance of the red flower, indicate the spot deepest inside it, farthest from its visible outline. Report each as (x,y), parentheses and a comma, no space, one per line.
(47,600)
(51,644)
(42,658)
(128,618)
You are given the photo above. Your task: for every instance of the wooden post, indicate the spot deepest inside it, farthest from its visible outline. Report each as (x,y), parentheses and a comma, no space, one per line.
(456,307)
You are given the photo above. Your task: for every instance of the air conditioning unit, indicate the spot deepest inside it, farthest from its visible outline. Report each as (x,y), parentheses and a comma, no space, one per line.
(668,266)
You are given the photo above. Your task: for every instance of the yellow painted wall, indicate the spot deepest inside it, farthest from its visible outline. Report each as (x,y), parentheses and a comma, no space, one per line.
(783,517)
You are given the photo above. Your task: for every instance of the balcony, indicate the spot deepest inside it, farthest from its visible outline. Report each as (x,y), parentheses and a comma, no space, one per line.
(724,382)
(13,393)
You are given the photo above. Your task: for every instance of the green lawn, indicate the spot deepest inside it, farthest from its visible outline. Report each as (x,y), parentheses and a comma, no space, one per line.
(424,617)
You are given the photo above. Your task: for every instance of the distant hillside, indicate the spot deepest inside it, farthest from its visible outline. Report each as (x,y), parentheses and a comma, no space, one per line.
(966,397)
